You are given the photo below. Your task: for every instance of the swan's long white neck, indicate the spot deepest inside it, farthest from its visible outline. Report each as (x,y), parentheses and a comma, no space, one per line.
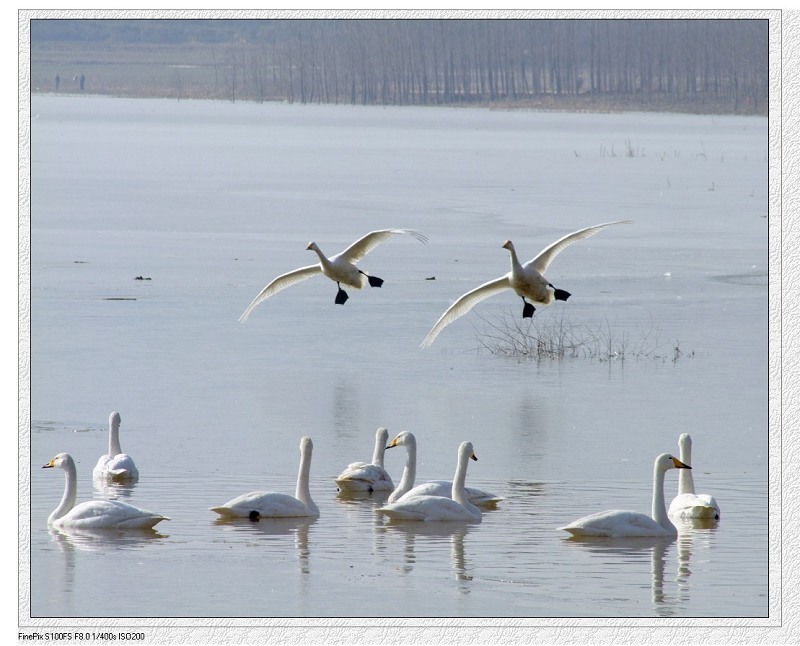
(516,267)
(113,435)
(302,492)
(685,477)
(459,491)
(659,510)
(323,259)
(380,446)
(409,471)
(70,491)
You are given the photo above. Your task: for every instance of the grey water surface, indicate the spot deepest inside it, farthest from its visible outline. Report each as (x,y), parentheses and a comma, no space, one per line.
(153,225)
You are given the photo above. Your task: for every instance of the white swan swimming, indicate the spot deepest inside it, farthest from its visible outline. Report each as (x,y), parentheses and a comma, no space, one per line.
(94,514)
(688,504)
(618,523)
(340,268)
(116,465)
(437,508)
(270,504)
(366,476)
(526,280)
(441,488)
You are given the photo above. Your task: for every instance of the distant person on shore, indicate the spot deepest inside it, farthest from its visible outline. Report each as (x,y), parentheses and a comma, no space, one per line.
(58,81)
(83,80)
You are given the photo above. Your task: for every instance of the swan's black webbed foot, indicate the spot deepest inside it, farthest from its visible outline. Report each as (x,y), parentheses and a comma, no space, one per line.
(560,294)
(341,297)
(374,281)
(528,310)
(254,516)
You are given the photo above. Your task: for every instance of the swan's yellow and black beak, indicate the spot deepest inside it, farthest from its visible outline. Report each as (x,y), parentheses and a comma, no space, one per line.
(393,443)
(680,465)
(473,457)
(50,464)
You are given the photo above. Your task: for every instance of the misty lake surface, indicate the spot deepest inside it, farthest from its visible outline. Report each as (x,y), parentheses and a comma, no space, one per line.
(154,224)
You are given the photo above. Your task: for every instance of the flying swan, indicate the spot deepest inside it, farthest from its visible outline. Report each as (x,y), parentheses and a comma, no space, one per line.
(116,466)
(340,268)
(437,508)
(365,476)
(688,504)
(526,280)
(270,504)
(442,488)
(617,523)
(94,514)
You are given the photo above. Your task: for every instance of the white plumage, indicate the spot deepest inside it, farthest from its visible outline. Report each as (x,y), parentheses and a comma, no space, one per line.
(688,504)
(442,488)
(437,508)
(115,465)
(271,504)
(340,268)
(526,280)
(94,514)
(368,476)
(618,523)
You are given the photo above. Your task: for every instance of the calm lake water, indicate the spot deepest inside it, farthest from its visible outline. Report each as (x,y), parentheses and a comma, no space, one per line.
(154,224)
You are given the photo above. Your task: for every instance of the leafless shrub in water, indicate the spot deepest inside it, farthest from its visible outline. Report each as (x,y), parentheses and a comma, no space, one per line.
(551,336)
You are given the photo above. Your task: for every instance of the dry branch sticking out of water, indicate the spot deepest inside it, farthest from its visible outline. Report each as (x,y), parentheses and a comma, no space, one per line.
(552,336)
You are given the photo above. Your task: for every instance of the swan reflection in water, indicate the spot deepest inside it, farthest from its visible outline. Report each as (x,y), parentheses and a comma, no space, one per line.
(71,541)
(270,528)
(667,601)
(113,490)
(100,540)
(428,539)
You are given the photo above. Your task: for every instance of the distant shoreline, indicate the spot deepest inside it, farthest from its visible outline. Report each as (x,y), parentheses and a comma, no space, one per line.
(544,104)
(259,71)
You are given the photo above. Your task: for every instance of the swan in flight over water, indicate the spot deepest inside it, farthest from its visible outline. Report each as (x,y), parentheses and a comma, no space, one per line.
(340,268)
(618,523)
(688,504)
(526,280)
(116,465)
(368,476)
(94,514)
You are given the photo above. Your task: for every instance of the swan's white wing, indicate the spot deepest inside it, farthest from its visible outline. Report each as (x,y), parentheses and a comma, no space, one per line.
(267,504)
(281,282)
(109,514)
(615,523)
(364,245)
(362,476)
(429,508)
(119,467)
(542,261)
(100,467)
(443,488)
(464,304)
(689,505)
